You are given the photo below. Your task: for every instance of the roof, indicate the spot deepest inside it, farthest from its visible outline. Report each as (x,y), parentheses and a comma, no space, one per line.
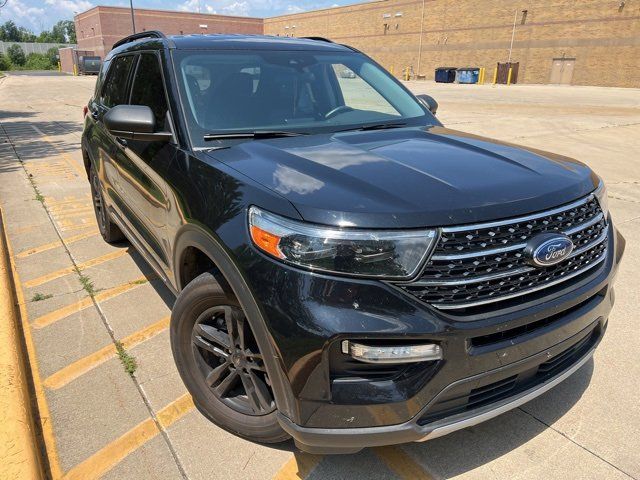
(228,42)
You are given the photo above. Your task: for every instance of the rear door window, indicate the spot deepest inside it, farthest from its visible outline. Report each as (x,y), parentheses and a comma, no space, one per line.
(114,91)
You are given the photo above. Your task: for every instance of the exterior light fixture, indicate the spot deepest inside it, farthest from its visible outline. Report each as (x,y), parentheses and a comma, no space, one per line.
(392,353)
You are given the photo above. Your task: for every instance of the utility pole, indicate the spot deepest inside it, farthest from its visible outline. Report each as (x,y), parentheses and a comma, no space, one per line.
(513,34)
(133,20)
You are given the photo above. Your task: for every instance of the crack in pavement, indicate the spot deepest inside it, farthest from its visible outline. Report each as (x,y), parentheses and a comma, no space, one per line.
(578,444)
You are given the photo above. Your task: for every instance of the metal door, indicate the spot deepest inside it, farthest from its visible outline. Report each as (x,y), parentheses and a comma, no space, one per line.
(562,71)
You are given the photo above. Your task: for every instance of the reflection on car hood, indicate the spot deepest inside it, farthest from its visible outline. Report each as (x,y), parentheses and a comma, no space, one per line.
(409,177)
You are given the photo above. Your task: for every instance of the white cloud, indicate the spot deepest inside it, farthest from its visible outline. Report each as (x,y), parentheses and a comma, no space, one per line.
(70,6)
(236,8)
(294,9)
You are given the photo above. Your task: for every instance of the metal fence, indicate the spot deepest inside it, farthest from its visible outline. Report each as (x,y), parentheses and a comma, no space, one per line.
(33,47)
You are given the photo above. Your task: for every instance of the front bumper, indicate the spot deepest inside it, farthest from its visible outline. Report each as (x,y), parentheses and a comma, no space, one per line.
(307,314)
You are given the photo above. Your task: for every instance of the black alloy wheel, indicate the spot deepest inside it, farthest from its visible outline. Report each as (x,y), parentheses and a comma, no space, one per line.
(229,360)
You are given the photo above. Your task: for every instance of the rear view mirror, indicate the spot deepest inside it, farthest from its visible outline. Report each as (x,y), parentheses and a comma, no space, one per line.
(429,102)
(134,122)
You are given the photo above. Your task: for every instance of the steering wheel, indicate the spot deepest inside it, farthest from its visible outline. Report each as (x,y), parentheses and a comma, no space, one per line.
(337,111)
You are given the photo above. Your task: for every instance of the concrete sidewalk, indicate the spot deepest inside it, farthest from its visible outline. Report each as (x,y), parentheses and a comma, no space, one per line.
(82,297)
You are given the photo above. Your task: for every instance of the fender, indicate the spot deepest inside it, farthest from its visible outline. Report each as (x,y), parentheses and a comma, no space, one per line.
(191,235)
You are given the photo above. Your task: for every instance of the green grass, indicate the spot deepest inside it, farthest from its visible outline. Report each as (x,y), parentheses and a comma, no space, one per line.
(129,362)
(38,297)
(87,284)
(139,282)
(39,196)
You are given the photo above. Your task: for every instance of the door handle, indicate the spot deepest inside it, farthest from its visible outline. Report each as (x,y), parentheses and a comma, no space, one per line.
(122,142)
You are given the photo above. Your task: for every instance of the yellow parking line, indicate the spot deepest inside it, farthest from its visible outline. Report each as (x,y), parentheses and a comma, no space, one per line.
(48,438)
(299,467)
(85,364)
(81,266)
(50,246)
(401,464)
(64,312)
(67,158)
(109,456)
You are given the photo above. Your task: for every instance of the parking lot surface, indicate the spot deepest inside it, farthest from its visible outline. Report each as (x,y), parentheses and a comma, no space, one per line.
(91,311)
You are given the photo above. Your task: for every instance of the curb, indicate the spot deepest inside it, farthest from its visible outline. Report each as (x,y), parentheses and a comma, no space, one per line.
(19,451)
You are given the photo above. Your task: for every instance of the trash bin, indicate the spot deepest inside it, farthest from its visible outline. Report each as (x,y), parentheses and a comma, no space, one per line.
(445,74)
(467,75)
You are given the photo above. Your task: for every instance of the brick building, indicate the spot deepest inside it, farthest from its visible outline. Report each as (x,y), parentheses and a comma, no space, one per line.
(582,42)
(99,28)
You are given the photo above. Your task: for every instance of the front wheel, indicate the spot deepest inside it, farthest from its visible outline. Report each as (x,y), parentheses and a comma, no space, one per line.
(220,363)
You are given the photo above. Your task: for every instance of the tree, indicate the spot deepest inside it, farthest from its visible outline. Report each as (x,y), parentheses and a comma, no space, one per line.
(52,54)
(16,55)
(5,64)
(38,61)
(9,32)
(26,35)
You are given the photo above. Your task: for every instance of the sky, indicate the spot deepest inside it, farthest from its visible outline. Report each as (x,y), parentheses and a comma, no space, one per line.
(37,15)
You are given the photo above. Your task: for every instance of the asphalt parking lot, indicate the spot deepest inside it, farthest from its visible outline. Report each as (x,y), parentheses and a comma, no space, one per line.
(79,297)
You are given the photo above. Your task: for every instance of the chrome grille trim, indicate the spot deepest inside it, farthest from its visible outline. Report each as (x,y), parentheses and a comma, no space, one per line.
(475,265)
(518,246)
(533,216)
(521,292)
(508,273)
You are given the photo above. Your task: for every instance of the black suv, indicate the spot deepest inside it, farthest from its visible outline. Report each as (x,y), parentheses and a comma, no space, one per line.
(348,272)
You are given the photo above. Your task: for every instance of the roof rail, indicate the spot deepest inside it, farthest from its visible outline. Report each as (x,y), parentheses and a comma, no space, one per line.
(138,36)
(319,39)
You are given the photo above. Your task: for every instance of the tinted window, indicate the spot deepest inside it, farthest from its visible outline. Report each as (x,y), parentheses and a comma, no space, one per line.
(148,88)
(115,87)
(289,90)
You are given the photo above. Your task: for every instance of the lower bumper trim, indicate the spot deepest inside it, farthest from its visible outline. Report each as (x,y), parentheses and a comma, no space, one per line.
(349,440)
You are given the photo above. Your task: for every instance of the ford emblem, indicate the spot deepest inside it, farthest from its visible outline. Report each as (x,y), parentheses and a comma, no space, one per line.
(548,249)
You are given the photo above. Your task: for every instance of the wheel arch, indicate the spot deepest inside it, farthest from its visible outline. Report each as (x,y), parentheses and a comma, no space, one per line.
(192,239)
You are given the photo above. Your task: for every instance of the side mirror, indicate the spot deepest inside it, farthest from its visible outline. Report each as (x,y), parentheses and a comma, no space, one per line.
(134,122)
(429,102)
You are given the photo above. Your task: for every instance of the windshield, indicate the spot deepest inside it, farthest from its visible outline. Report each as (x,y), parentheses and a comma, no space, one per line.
(289,91)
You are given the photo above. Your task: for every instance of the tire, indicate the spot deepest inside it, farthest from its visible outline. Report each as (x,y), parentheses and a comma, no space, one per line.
(219,368)
(110,232)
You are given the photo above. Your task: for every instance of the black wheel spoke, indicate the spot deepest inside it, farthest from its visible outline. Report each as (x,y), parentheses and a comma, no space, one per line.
(257,392)
(205,345)
(227,384)
(212,334)
(216,374)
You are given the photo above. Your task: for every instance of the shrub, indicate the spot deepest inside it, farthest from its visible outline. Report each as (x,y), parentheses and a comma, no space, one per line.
(5,64)
(38,61)
(52,53)
(16,55)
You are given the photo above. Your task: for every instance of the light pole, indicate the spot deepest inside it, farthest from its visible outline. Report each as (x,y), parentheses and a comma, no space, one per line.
(133,20)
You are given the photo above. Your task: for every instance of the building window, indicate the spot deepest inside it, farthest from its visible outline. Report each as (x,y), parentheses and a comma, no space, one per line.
(524,17)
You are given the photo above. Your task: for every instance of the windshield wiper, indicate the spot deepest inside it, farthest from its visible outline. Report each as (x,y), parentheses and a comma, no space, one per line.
(257,134)
(377,126)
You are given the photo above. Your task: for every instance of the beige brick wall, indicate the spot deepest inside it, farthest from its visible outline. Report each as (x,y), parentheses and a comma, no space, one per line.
(604,39)
(425,34)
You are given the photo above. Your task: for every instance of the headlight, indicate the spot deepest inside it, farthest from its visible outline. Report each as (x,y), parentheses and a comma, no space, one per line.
(372,253)
(601,195)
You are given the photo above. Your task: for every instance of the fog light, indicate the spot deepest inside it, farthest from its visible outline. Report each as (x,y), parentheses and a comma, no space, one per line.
(392,353)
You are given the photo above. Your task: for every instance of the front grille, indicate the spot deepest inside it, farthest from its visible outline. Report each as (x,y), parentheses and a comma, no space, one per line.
(482,264)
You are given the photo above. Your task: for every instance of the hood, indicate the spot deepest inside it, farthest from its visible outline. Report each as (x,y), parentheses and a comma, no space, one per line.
(409,177)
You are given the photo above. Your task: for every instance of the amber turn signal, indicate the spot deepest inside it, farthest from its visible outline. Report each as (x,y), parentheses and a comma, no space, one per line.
(266,241)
